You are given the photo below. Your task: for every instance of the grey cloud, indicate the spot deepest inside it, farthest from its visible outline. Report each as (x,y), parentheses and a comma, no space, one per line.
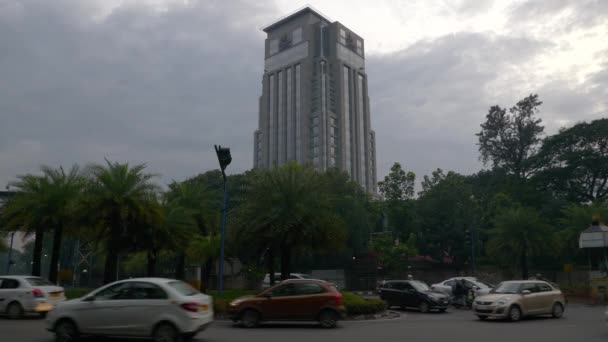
(575,13)
(138,85)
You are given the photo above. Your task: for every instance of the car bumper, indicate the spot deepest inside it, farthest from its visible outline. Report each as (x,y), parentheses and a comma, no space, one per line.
(198,323)
(491,311)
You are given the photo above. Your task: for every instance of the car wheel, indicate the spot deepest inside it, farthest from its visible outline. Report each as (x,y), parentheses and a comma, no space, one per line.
(482,318)
(166,332)
(558,310)
(66,331)
(14,310)
(250,319)
(514,314)
(328,319)
(424,307)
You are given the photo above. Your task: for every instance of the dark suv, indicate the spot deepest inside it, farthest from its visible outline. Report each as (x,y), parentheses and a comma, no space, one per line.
(412,294)
(291,300)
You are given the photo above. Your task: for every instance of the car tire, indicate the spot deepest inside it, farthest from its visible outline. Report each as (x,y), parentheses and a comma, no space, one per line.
(557,311)
(328,319)
(166,332)
(424,307)
(66,331)
(250,318)
(14,310)
(482,317)
(514,314)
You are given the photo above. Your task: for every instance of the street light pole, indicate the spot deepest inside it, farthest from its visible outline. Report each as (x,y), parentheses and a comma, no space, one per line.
(224,157)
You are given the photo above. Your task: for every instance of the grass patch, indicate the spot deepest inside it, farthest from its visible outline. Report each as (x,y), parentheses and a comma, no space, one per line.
(72,293)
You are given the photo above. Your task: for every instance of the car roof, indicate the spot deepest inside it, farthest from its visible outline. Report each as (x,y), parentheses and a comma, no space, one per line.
(149,280)
(19,277)
(524,281)
(319,281)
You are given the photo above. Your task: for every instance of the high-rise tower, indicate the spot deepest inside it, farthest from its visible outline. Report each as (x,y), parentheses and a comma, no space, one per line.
(314,106)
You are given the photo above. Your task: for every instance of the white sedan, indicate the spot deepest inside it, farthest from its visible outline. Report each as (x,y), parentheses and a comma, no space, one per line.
(479,286)
(20,295)
(166,310)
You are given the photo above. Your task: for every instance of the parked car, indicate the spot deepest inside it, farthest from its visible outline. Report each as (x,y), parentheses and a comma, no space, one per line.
(20,295)
(412,294)
(165,309)
(277,278)
(291,300)
(517,299)
(479,287)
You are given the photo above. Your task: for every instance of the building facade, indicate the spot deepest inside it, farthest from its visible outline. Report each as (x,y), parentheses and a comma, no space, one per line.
(314,107)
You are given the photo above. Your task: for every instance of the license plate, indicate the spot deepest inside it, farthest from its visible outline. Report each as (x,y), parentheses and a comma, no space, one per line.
(204,307)
(56,294)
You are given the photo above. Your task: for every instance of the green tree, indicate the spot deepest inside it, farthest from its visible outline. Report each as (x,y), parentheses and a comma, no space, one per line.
(117,197)
(42,204)
(511,140)
(392,254)
(398,185)
(445,210)
(287,209)
(576,161)
(519,234)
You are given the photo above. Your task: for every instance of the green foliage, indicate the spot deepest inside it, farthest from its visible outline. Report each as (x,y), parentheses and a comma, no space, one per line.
(520,233)
(397,185)
(357,305)
(511,140)
(576,162)
(393,255)
(73,293)
(574,219)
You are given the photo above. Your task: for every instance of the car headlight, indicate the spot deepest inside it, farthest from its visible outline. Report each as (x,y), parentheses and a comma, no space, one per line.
(501,302)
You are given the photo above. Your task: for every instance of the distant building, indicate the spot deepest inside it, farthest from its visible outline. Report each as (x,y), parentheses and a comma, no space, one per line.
(314,107)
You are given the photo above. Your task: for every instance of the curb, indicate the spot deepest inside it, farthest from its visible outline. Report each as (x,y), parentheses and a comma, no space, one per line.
(389,314)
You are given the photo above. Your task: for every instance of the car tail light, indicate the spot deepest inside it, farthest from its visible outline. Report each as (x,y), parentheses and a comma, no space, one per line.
(192,307)
(338,298)
(37,293)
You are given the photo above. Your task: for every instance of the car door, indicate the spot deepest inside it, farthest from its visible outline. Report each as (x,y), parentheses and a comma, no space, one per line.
(102,312)
(409,295)
(9,291)
(546,295)
(278,303)
(141,306)
(531,301)
(390,294)
(308,300)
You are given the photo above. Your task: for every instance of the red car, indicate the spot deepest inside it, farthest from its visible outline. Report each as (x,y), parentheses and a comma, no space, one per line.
(291,300)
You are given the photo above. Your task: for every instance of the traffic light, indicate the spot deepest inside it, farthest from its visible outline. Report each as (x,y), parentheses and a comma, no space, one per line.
(223,155)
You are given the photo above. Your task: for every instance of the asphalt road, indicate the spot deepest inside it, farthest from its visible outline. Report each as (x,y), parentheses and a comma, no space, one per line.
(581,323)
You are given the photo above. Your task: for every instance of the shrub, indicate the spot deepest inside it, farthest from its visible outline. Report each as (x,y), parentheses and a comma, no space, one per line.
(357,305)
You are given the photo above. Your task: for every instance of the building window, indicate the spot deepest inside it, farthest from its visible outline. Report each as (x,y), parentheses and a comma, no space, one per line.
(346,118)
(273,46)
(298,117)
(360,126)
(296,35)
(315,130)
(271,122)
(281,119)
(289,113)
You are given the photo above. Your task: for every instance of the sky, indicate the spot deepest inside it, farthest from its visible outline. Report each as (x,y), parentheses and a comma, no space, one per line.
(161,81)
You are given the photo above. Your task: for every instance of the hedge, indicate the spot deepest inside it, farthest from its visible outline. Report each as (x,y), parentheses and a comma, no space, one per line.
(357,305)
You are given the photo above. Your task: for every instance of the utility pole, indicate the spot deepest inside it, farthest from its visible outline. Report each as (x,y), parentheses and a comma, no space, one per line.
(224,157)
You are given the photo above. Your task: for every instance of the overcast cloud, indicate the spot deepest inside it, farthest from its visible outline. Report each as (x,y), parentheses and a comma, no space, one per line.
(161,81)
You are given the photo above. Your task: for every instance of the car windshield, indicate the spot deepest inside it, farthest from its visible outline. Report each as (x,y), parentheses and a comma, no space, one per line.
(39,282)
(420,286)
(184,288)
(481,284)
(507,288)
(305,276)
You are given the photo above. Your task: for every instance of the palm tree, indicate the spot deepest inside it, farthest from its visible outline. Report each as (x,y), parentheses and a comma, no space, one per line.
(519,233)
(117,197)
(287,209)
(25,211)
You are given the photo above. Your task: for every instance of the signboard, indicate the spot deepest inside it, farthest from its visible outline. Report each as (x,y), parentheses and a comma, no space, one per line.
(592,240)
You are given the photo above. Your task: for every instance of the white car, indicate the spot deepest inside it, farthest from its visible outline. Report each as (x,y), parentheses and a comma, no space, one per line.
(165,310)
(445,287)
(20,295)
(277,278)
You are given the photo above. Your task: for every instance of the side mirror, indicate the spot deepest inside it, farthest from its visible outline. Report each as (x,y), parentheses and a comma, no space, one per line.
(525,292)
